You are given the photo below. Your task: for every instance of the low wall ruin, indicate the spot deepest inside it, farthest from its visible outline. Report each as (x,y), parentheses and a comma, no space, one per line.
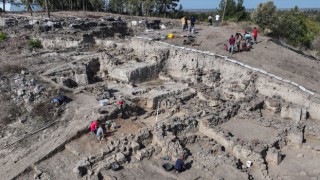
(183,63)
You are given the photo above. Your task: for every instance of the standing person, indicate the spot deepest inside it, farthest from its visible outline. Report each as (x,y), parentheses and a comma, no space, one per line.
(247,37)
(232,42)
(183,23)
(217,19)
(238,41)
(179,166)
(255,34)
(210,20)
(192,22)
(186,23)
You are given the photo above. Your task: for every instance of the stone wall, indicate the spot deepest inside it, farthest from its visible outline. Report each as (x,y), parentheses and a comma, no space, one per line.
(183,63)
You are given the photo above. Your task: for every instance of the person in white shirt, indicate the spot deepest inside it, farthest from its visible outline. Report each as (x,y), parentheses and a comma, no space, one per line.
(217,19)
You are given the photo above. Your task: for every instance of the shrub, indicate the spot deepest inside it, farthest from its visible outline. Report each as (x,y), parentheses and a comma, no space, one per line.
(3,36)
(34,43)
(313,27)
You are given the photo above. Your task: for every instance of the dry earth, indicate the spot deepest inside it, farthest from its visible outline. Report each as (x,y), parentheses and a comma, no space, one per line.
(180,100)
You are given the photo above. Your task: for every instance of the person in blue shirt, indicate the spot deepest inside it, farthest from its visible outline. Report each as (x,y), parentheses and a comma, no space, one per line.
(179,166)
(192,22)
(101,133)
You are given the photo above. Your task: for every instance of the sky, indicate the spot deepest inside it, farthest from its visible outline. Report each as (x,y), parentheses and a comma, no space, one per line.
(213,4)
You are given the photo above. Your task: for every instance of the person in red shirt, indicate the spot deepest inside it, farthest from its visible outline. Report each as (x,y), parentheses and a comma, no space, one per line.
(232,42)
(255,34)
(94,127)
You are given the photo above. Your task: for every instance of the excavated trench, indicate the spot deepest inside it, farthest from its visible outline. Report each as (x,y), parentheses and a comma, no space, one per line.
(216,112)
(215,106)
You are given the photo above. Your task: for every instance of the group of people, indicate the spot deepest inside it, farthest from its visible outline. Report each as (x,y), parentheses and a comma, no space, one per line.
(217,20)
(185,24)
(241,42)
(99,129)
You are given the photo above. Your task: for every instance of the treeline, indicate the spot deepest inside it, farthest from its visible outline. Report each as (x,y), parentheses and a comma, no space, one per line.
(294,26)
(72,5)
(145,7)
(298,28)
(130,7)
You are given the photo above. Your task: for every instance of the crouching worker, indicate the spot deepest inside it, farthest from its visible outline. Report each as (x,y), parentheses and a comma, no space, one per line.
(179,166)
(101,133)
(94,127)
(59,100)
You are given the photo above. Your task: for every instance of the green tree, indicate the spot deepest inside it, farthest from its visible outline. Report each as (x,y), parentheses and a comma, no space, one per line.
(96,5)
(234,10)
(292,26)
(266,15)
(162,6)
(148,7)
(117,6)
(241,13)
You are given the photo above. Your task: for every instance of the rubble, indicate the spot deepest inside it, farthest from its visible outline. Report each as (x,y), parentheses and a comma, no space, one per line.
(176,101)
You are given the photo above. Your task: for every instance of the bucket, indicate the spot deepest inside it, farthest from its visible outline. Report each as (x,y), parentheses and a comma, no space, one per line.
(170,36)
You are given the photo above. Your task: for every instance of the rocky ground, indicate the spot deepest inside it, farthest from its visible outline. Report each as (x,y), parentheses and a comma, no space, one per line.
(250,115)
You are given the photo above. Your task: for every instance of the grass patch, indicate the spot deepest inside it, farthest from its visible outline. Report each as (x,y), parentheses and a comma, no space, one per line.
(3,36)
(34,44)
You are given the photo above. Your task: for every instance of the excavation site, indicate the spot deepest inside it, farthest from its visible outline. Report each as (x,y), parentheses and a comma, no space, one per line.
(252,115)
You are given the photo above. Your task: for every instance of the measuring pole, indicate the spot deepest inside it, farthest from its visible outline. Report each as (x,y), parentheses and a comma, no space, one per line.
(158,106)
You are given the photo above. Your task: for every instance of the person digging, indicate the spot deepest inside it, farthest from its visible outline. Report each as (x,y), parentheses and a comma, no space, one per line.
(180,166)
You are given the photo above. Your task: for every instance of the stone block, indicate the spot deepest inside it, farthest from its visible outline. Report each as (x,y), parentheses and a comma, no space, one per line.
(273,156)
(272,104)
(135,72)
(111,159)
(105,150)
(295,138)
(135,146)
(144,135)
(82,79)
(125,150)
(294,112)
(83,163)
(142,154)
(121,158)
